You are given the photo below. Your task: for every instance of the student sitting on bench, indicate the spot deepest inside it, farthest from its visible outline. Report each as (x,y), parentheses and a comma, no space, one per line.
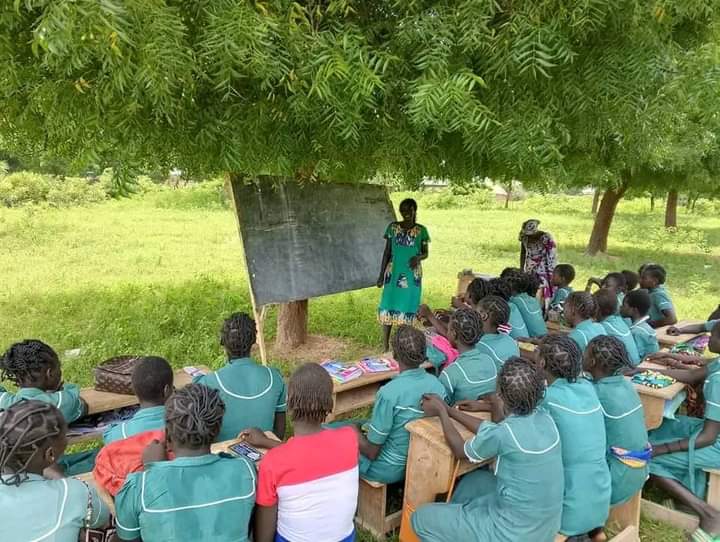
(495,313)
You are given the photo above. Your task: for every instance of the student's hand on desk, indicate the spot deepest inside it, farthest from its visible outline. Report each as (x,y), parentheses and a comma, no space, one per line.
(155,451)
(254,437)
(673,330)
(473,405)
(433,405)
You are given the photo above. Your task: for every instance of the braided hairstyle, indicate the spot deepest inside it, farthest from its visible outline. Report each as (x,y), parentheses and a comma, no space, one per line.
(408,345)
(606,302)
(517,280)
(26,428)
(238,335)
(467,326)
(497,309)
(582,303)
(562,356)
(193,416)
(310,392)
(521,386)
(27,360)
(500,288)
(477,290)
(608,354)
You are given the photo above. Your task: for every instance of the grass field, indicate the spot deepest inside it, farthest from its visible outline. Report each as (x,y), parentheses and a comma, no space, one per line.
(157,274)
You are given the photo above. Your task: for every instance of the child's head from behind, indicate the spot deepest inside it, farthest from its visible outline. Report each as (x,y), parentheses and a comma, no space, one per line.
(521,386)
(652,276)
(579,306)
(465,327)
(636,305)
(408,346)
(494,310)
(563,275)
(714,344)
(152,380)
(561,357)
(533,284)
(500,288)
(615,282)
(517,280)
(238,335)
(631,279)
(193,416)
(605,356)
(310,394)
(477,290)
(32,437)
(32,364)
(606,302)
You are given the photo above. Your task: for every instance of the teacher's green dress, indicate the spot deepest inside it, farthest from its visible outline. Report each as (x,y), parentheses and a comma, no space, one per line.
(402,285)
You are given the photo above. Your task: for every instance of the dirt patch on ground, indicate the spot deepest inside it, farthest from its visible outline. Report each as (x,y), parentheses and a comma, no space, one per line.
(319,348)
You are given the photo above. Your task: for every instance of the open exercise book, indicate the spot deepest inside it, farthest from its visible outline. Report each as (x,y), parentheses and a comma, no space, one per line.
(343,372)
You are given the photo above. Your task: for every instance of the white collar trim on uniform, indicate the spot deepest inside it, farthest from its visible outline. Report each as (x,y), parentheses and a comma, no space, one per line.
(643,319)
(535,452)
(578,412)
(231,394)
(621,415)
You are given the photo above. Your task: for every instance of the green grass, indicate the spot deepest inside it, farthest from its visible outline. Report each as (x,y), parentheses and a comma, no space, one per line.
(158,274)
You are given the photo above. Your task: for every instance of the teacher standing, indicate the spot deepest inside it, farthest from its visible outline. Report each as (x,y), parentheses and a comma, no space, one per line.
(538,256)
(406,246)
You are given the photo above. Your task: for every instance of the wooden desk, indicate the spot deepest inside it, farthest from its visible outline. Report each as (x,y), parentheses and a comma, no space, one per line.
(668,341)
(653,400)
(527,350)
(466,277)
(556,328)
(357,393)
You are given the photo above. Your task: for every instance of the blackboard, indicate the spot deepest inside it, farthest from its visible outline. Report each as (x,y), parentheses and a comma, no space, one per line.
(309,240)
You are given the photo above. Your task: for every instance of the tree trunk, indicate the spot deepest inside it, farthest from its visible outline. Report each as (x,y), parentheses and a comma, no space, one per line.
(652,202)
(508,195)
(671,209)
(596,201)
(292,325)
(604,218)
(694,201)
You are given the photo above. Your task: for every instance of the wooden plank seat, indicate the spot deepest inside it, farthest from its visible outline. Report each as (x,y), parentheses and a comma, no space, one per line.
(372,512)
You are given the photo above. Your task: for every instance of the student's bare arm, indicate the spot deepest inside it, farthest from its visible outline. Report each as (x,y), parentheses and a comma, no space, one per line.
(707,437)
(452,435)
(669,319)
(692,328)
(472,423)
(279,425)
(265,523)
(429,315)
(367,448)
(690,375)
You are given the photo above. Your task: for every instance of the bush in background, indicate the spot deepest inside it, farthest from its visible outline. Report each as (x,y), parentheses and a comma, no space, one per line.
(27,188)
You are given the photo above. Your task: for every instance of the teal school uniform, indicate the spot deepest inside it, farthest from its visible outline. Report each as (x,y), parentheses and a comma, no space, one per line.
(499,346)
(585,332)
(576,409)
(471,376)
(52,510)
(560,295)
(660,301)
(688,467)
(615,326)
(522,500)
(208,498)
(645,338)
(517,324)
(620,299)
(252,394)
(396,403)
(624,428)
(145,419)
(66,400)
(710,324)
(531,314)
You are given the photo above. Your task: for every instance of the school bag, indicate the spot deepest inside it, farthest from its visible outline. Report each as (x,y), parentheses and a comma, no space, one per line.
(114,375)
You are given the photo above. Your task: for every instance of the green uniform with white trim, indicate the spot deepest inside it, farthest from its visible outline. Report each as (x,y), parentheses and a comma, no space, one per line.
(688,467)
(615,326)
(625,428)
(67,400)
(660,301)
(585,332)
(517,324)
(521,501)
(209,498)
(471,376)
(49,510)
(396,403)
(252,394)
(620,296)
(560,295)
(575,407)
(499,346)
(531,314)
(145,419)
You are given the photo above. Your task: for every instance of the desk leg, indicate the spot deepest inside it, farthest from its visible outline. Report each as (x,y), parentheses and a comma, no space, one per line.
(653,408)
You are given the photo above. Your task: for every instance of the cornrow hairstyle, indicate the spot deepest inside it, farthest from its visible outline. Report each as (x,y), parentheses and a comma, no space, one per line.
(656,271)
(608,354)
(566,272)
(151,376)
(500,288)
(521,386)
(478,289)
(644,266)
(618,278)
(562,356)
(631,279)
(497,308)
(467,325)
(411,202)
(26,428)
(640,300)
(238,334)
(26,360)
(310,393)
(533,283)
(517,280)
(408,345)
(193,416)
(606,302)
(583,303)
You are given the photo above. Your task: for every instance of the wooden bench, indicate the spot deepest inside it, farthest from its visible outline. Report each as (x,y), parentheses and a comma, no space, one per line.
(628,534)
(372,512)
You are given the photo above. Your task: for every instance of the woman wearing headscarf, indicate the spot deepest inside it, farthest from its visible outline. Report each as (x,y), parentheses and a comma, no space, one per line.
(538,255)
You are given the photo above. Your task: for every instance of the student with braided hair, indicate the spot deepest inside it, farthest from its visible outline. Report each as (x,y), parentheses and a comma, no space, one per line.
(501,288)
(32,507)
(35,368)
(580,310)
(385,447)
(522,499)
(520,284)
(313,473)
(628,451)
(196,496)
(494,313)
(254,395)
(574,405)
(473,374)
(614,324)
